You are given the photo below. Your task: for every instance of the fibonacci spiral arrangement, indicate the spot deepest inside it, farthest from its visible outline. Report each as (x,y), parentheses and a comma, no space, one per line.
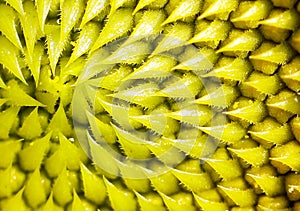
(206,92)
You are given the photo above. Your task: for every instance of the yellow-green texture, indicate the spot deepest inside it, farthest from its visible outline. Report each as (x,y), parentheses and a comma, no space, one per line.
(253,46)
